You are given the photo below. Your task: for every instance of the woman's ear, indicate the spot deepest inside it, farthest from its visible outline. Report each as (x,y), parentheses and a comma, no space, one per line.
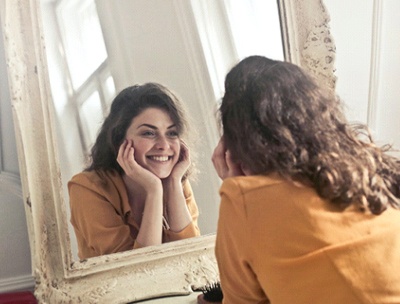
(246,171)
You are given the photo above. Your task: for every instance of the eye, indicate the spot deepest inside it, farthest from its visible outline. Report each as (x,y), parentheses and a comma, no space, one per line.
(173,134)
(148,133)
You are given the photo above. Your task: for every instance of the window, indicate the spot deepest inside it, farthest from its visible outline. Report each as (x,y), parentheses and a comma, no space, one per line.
(89,80)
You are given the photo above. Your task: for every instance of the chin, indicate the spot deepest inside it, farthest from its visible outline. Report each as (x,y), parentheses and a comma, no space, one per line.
(162,175)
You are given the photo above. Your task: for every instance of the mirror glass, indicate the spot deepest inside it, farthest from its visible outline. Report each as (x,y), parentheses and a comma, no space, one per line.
(95,48)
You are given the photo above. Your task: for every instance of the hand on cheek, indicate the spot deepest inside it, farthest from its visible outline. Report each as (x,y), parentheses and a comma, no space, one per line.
(223,162)
(183,162)
(132,169)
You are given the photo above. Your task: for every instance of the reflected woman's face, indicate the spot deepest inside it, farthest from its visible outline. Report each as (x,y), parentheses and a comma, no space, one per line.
(155,140)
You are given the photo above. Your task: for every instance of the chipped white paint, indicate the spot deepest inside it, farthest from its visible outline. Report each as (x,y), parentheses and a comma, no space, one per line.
(174,268)
(307,38)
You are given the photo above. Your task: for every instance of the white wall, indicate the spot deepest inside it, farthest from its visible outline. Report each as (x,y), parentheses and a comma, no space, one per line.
(387,122)
(366,34)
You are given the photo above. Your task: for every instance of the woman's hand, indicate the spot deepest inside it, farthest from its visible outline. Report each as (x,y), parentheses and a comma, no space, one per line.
(223,163)
(133,170)
(183,163)
(150,232)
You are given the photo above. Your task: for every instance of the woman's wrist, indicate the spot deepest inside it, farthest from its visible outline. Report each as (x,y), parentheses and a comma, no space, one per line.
(172,181)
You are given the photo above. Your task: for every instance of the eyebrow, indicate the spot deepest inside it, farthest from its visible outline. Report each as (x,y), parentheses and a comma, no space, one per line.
(154,127)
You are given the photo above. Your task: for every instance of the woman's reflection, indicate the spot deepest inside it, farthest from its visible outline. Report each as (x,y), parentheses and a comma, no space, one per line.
(136,192)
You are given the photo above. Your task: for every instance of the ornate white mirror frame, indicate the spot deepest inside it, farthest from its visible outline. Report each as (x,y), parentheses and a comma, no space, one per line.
(139,274)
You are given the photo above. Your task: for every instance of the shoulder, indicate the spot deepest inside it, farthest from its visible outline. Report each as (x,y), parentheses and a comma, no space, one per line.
(242,185)
(96,180)
(95,186)
(240,193)
(271,192)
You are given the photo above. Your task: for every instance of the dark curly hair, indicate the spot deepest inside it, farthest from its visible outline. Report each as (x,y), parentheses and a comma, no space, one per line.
(275,118)
(128,104)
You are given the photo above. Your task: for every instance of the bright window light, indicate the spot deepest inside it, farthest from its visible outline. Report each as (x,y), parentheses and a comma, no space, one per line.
(83,39)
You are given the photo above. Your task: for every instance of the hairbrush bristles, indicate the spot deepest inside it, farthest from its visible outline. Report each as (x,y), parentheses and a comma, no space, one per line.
(212,292)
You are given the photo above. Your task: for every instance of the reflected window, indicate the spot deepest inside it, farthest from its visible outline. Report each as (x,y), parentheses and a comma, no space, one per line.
(83,65)
(92,115)
(82,38)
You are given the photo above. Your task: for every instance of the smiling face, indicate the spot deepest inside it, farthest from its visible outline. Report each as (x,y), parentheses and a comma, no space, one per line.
(155,140)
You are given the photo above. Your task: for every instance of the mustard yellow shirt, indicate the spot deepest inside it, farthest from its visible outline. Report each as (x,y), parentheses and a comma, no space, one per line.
(102,218)
(282,243)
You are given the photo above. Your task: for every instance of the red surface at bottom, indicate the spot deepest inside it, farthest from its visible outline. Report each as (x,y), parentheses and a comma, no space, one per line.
(22,297)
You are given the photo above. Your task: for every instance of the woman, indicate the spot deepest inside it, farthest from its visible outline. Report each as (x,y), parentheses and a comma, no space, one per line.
(309,207)
(135,192)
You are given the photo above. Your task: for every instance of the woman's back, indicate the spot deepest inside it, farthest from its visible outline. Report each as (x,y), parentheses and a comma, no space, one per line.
(291,246)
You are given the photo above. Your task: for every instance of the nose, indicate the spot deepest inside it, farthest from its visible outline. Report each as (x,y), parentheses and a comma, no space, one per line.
(162,143)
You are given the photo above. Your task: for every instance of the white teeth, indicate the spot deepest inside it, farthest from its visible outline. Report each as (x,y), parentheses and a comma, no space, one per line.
(159,158)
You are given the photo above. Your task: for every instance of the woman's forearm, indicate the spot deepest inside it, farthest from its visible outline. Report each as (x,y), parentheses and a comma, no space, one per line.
(178,215)
(150,232)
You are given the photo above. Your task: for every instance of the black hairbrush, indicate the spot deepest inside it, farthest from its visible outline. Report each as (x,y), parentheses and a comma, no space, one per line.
(211,293)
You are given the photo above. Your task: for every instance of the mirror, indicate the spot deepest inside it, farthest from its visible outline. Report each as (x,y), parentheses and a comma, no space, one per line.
(109,45)
(174,268)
